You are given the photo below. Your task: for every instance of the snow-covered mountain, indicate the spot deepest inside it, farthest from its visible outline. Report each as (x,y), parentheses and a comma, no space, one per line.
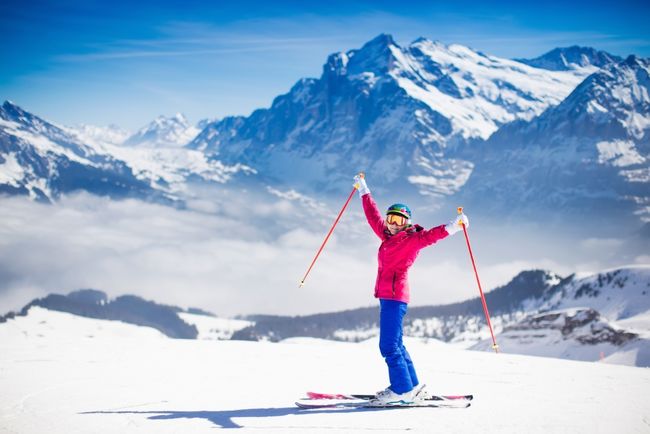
(591,153)
(174,131)
(576,334)
(574,57)
(427,118)
(389,110)
(605,314)
(43,160)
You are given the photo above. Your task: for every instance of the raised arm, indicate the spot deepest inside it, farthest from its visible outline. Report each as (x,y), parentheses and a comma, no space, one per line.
(374,217)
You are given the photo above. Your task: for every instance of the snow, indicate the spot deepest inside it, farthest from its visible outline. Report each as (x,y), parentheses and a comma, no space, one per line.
(635,353)
(619,153)
(172,166)
(165,167)
(639,324)
(11,172)
(56,378)
(625,293)
(112,134)
(214,328)
(446,180)
(494,90)
(42,143)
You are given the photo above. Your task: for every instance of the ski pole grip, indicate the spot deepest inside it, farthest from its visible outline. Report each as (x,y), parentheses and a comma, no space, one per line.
(460,212)
(360,175)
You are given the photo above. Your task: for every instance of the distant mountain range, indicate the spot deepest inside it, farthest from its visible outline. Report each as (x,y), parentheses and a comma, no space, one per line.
(583,318)
(567,130)
(43,160)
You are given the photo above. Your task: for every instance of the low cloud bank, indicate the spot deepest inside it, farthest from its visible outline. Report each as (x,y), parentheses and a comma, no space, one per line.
(251,261)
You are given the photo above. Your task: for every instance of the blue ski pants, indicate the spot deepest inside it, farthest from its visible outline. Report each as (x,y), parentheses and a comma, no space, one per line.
(401,371)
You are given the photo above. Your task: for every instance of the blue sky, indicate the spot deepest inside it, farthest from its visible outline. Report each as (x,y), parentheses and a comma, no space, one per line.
(103,62)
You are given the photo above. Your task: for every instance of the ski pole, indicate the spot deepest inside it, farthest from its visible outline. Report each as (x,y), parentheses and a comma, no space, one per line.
(302,282)
(495,347)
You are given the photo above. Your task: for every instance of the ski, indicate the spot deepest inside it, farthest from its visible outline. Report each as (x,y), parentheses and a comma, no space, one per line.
(366,403)
(337,400)
(317,395)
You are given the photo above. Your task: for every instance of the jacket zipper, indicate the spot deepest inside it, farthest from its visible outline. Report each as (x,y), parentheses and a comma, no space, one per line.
(394,276)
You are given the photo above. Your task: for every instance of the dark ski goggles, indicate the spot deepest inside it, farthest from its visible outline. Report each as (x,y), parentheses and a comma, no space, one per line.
(396,219)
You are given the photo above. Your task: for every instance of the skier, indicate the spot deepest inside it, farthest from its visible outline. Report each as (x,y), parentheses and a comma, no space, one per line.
(401,243)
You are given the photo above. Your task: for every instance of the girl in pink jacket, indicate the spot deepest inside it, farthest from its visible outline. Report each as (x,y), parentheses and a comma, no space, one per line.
(401,243)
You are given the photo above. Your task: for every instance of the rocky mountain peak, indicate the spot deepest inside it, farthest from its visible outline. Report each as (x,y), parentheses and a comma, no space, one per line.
(574,57)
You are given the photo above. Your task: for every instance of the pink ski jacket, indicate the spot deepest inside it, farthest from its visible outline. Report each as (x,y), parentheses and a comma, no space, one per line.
(397,252)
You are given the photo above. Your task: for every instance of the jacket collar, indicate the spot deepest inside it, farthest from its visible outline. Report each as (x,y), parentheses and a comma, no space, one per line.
(409,230)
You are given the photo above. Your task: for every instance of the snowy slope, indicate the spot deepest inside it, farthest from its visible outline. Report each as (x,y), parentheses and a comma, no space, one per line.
(618,294)
(479,92)
(41,323)
(60,374)
(604,315)
(214,328)
(575,334)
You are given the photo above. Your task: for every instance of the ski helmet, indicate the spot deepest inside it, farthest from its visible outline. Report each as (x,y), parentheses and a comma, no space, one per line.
(399,209)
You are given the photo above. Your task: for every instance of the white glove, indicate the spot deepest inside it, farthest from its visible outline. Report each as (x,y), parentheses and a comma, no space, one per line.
(455,225)
(360,184)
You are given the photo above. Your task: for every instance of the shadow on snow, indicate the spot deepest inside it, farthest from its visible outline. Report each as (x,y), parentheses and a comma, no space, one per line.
(225,418)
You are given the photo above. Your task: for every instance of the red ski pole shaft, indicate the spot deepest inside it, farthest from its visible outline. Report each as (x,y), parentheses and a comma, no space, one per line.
(478,281)
(302,282)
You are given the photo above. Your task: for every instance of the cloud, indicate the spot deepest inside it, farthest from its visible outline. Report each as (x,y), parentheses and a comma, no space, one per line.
(184,257)
(601,243)
(235,253)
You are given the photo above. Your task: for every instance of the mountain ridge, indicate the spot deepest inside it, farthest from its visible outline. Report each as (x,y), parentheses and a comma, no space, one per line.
(445,122)
(565,58)
(592,151)
(576,317)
